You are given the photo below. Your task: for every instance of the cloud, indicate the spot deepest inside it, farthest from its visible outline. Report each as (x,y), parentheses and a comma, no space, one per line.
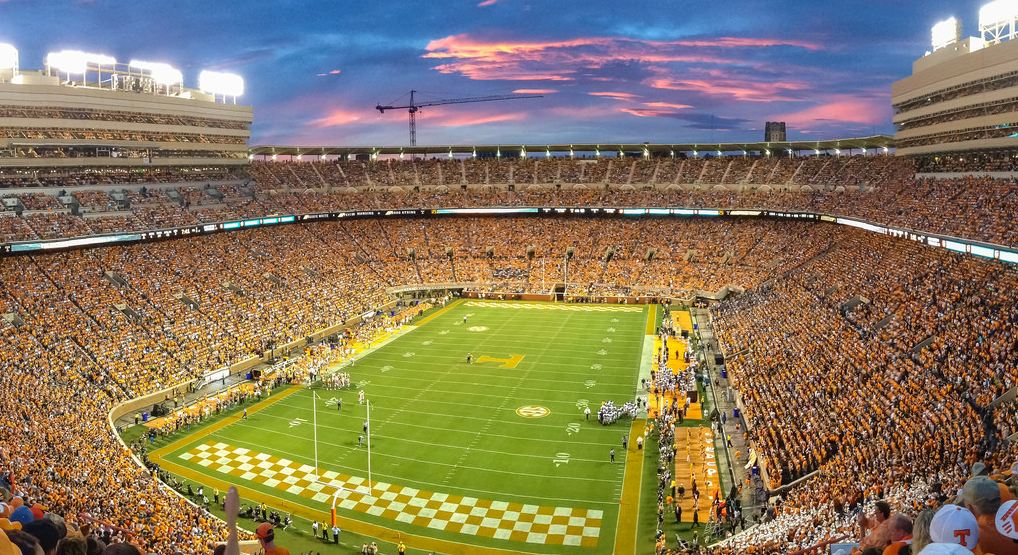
(535,91)
(657,110)
(565,60)
(667,105)
(330,72)
(843,109)
(338,117)
(486,3)
(614,95)
(697,120)
(462,116)
(743,89)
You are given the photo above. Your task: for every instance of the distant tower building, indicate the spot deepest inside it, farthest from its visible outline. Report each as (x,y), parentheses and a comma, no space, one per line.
(774,132)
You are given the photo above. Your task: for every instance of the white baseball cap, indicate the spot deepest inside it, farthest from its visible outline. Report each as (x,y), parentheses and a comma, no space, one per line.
(955,524)
(943,549)
(1007,519)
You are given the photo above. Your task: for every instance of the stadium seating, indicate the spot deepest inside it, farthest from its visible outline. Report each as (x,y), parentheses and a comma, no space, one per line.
(898,387)
(878,408)
(881,189)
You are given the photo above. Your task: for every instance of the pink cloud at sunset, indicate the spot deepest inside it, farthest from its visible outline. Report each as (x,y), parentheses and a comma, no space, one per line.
(666,105)
(843,109)
(337,117)
(453,117)
(614,94)
(566,60)
(751,91)
(535,91)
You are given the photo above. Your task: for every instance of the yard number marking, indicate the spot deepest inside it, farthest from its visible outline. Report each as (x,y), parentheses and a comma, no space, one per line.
(533,411)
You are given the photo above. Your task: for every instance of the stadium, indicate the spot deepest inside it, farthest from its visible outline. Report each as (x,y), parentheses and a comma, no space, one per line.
(213,343)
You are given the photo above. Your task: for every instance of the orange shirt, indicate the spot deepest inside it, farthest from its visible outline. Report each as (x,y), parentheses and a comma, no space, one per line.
(897,546)
(277,550)
(991,541)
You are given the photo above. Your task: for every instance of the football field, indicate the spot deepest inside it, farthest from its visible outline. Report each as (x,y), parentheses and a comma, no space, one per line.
(489,455)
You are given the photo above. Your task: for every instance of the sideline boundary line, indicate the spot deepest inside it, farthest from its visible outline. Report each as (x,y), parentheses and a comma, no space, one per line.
(632,485)
(438,312)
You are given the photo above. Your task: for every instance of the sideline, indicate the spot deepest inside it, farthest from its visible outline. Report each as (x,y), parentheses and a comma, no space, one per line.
(438,312)
(222,423)
(632,486)
(627,526)
(651,320)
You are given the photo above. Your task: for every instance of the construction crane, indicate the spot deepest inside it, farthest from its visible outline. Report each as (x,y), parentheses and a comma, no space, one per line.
(413,107)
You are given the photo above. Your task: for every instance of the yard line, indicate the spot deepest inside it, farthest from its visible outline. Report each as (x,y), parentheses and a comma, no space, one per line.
(527,438)
(562,351)
(455,393)
(591,374)
(406,440)
(430,386)
(477,367)
(628,387)
(433,413)
(505,399)
(396,479)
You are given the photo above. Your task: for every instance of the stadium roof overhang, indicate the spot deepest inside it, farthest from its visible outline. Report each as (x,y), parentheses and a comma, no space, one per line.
(872,142)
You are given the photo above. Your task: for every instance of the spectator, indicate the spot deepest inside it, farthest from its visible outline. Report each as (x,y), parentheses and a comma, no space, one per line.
(267,538)
(981,496)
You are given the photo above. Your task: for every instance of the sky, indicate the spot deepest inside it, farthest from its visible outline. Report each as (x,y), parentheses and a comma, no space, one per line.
(608,72)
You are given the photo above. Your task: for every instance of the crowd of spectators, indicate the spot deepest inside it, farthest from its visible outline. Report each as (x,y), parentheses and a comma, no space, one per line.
(899,394)
(98,114)
(899,355)
(881,189)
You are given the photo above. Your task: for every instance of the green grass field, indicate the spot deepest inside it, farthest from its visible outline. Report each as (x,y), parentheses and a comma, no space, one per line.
(493,454)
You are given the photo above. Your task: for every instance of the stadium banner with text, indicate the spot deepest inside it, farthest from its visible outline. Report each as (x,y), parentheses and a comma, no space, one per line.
(954,244)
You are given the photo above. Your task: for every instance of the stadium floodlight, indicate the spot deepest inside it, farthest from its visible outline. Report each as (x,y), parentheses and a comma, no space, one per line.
(997,20)
(217,82)
(162,74)
(8,57)
(76,62)
(945,33)
(300,157)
